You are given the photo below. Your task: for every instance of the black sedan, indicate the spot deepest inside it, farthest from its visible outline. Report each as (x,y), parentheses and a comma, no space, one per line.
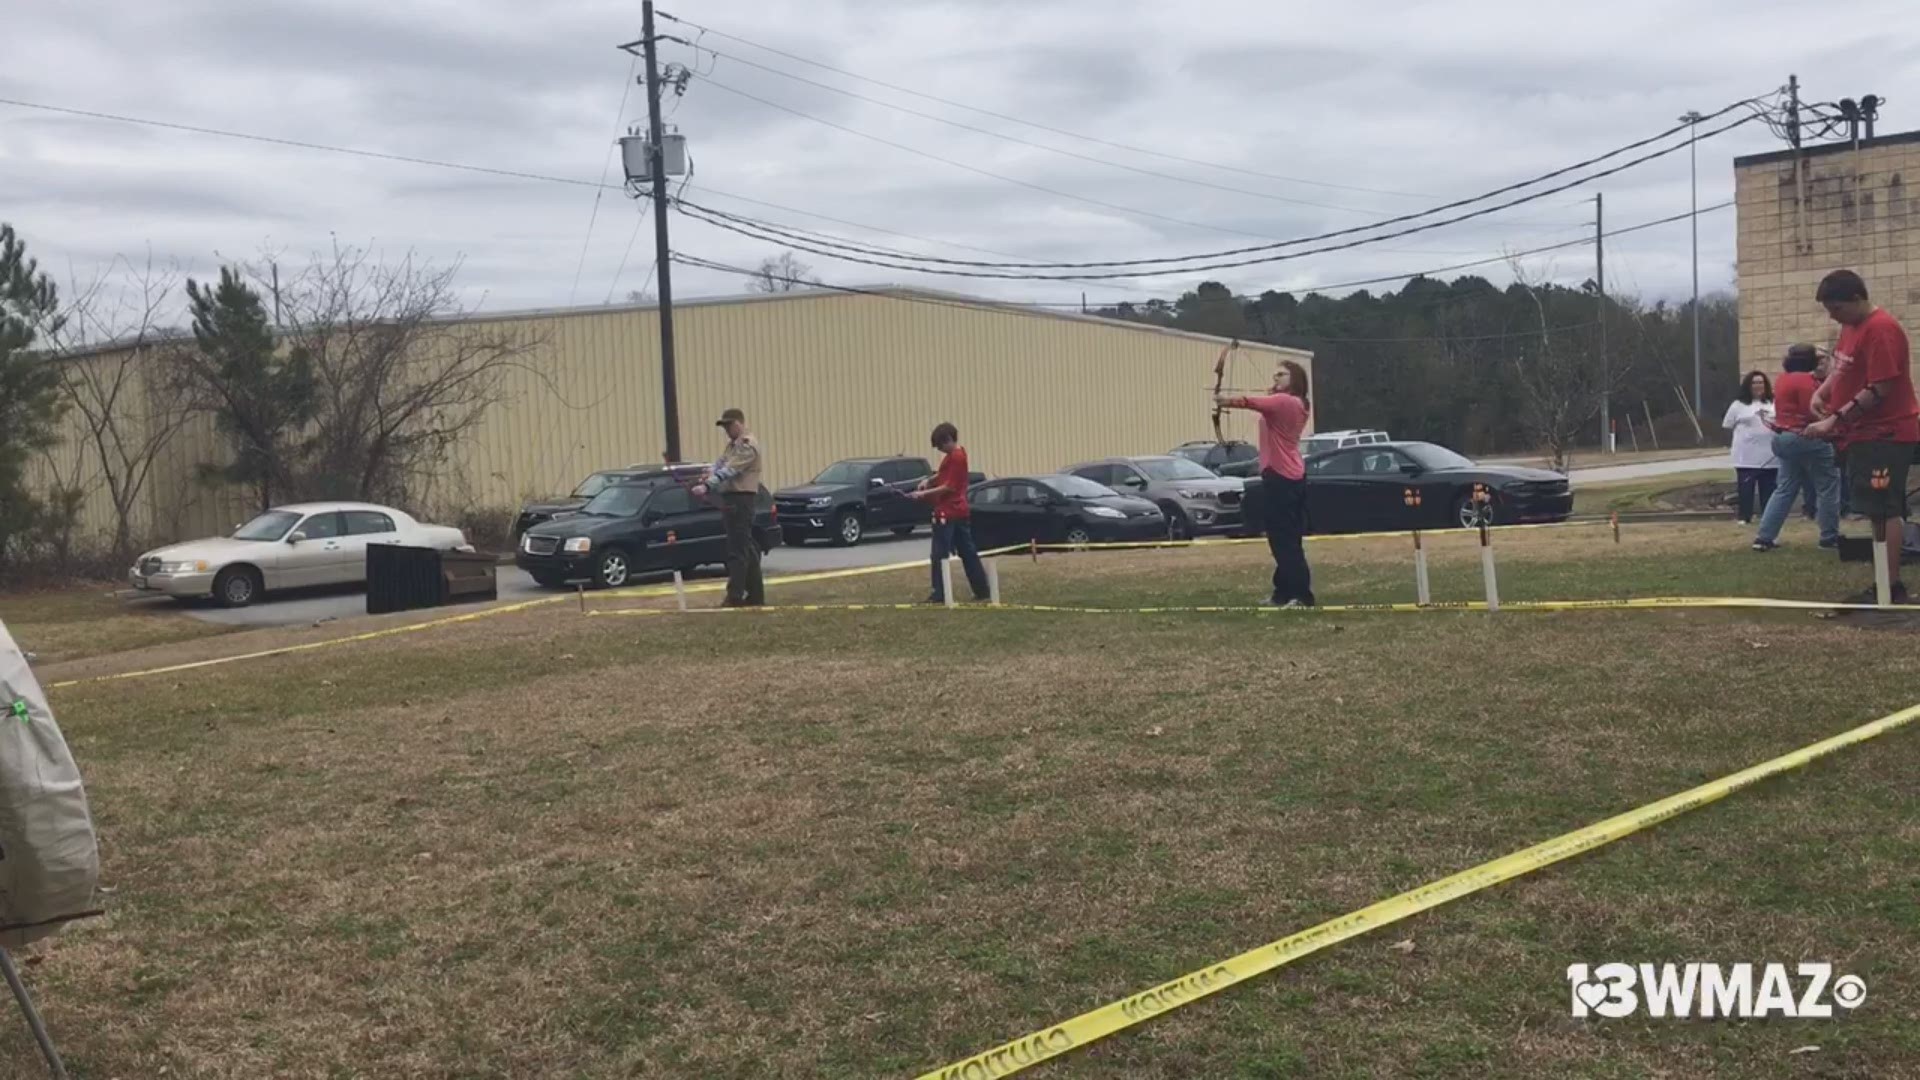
(633,528)
(1057,509)
(1407,485)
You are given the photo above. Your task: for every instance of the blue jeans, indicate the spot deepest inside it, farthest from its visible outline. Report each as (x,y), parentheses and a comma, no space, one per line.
(956,538)
(1809,463)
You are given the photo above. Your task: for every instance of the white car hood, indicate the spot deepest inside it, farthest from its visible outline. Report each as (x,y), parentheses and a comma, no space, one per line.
(214,550)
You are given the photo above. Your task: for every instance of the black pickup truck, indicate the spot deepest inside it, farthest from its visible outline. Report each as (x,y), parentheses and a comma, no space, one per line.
(635,527)
(854,497)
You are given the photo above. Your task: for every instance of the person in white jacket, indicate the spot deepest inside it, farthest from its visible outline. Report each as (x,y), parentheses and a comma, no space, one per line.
(1750,418)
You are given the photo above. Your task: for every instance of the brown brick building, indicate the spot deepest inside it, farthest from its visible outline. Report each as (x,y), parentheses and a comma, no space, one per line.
(1848,208)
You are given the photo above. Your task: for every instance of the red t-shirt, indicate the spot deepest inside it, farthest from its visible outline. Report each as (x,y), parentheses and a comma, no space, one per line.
(1282,418)
(951,504)
(1793,400)
(1874,351)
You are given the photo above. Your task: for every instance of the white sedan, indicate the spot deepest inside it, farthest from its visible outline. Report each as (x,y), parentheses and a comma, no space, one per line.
(288,547)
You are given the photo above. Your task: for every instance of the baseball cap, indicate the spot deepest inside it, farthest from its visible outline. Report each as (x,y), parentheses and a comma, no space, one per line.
(729,417)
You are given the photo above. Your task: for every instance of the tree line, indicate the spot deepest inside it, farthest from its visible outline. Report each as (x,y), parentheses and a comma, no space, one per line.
(357,383)
(1481,368)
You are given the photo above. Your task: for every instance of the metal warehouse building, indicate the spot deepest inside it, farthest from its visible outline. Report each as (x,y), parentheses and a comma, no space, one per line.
(821,374)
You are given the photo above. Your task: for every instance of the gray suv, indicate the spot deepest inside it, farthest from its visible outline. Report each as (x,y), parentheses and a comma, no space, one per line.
(1194,499)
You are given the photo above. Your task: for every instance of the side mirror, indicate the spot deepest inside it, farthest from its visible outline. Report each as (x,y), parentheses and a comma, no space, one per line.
(876,482)
(1134,482)
(297,538)
(1411,469)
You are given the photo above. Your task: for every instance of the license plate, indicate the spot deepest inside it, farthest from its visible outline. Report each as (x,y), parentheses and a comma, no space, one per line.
(139,583)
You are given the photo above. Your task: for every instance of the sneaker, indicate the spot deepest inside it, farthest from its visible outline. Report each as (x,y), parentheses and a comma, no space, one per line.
(1831,543)
(932,599)
(1764,545)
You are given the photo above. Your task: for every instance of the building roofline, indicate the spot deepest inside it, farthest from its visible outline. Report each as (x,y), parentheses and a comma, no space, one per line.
(883,291)
(1827,149)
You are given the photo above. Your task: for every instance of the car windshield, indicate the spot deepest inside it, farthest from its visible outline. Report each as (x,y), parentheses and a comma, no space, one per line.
(1436,457)
(593,485)
(271,526)
(1173,468)
(1075,487)
(843,472)
(620,500)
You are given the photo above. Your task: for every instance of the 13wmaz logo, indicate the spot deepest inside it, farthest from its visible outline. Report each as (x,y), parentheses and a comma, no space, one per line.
(1706,991)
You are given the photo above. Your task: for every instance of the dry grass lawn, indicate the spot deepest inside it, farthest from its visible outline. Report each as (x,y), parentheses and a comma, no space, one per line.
(865,844)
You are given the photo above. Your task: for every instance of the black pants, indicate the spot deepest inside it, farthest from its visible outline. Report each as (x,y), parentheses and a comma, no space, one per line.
(1284,506)
(744,584)
(1756,487)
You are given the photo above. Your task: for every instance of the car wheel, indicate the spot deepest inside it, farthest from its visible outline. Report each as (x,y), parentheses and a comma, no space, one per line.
(1078,536)
(237,586)
(613,569)
(1178,527)
(848,528)
(1472,515)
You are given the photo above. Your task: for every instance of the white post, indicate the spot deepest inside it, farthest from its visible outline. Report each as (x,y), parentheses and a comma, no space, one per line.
(680,590)
(1882,582)
(946,579)
(993,582)
(1486,570)
(1420,590)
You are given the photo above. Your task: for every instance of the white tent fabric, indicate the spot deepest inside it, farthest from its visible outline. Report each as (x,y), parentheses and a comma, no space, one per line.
(49,859)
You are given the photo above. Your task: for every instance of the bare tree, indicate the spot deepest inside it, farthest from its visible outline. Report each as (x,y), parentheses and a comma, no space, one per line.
(126,406)
(399,378)
(1559,376)
(782,273)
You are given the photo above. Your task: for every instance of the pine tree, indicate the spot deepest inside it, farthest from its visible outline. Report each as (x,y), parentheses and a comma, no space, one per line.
(29,383)
(261,401)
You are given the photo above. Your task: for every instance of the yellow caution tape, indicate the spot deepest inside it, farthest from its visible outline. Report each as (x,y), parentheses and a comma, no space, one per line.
(641,592)
(1028,1050)
(1098,545)
(1648,603)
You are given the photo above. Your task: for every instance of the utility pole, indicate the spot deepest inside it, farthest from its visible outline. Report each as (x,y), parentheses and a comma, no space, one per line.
(1693,165)
(662,253)
(1600,296)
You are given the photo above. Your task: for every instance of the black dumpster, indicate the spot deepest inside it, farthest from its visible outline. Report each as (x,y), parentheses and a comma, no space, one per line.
(401,578)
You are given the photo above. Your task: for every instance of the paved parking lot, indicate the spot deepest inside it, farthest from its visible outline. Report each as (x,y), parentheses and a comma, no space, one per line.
(314,606)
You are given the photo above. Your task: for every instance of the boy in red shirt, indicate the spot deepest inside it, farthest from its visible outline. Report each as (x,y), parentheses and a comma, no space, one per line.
(1868,406)
(952,529)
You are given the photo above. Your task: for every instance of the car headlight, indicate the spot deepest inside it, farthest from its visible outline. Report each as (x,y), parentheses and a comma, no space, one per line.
(820,503)
(185,566)
(1105,512)
(579,545)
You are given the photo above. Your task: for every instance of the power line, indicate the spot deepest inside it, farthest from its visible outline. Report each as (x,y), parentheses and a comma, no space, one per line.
(695,210)
(1057,193)
(91,115)
(1040,146)
(605,164)
(1033,124)
(638,221)
(1694,136)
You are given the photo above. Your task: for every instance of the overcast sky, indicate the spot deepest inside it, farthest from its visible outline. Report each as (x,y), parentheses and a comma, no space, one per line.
(1419,102)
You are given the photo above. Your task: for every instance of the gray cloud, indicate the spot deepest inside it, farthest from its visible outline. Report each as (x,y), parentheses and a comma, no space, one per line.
(1405,97)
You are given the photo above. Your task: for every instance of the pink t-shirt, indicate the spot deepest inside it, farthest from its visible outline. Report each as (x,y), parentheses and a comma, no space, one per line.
(1282,418)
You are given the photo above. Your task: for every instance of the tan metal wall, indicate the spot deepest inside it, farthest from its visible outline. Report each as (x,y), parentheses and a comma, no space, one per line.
(821,376)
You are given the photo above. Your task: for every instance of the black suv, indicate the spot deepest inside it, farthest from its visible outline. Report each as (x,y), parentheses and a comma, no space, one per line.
(851,497)
(534,513)
(635,527)
(1230,458)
